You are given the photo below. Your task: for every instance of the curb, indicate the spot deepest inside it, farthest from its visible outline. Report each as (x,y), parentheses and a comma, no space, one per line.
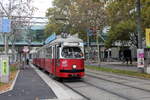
(12,85)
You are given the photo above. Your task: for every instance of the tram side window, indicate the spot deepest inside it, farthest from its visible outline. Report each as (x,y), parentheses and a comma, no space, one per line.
(49,52)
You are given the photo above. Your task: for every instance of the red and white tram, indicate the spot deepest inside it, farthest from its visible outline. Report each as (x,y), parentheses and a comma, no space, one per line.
(62,57)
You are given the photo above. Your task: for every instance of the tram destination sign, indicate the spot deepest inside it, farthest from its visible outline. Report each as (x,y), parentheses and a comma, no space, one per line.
(71,43)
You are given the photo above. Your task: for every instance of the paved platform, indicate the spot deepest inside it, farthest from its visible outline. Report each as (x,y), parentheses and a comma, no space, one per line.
(29,86)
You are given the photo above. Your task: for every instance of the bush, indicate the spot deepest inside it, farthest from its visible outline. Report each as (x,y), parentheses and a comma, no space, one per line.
(13,67)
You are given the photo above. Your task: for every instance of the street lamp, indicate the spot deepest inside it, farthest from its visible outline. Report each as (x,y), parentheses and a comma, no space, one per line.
(138,10)
(140,51)
(98,47)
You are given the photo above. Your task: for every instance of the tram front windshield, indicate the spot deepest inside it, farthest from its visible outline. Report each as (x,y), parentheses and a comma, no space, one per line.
(71,52)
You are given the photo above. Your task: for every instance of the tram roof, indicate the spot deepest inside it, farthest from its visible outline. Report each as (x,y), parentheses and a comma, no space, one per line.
(60,39)
(69,38)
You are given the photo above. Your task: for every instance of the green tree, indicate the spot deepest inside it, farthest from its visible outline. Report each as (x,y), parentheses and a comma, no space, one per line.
(122,19)
(76,16)
(58,16)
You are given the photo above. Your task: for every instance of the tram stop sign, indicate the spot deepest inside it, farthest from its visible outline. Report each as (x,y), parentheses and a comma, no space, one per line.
(4,68)
(25,49)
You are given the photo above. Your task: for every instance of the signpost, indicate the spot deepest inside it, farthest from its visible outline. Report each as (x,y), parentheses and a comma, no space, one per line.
(4,68)
(5,27)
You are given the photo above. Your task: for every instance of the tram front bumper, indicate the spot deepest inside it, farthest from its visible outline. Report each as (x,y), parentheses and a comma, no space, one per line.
(71,73)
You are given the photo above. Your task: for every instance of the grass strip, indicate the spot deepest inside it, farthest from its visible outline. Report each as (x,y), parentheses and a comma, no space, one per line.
(118,71)
(13,68)
(1,84)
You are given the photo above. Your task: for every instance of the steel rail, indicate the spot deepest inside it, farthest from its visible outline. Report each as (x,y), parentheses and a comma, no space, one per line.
(118,83)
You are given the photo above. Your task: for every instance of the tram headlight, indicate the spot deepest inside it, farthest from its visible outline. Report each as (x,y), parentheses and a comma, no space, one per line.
(74,66)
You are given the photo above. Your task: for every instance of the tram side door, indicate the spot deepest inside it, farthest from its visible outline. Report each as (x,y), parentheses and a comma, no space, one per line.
(56,58)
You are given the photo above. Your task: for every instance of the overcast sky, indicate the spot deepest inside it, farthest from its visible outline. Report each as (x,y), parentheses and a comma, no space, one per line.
(42,5)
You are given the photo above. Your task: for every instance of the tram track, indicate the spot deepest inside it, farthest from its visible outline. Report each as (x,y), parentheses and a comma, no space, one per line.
(119,95)
(84,96)
(107,90)
(94,86)
(119,83)
(112,76)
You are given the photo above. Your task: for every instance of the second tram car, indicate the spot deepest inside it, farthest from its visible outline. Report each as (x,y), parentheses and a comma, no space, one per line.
(63,57)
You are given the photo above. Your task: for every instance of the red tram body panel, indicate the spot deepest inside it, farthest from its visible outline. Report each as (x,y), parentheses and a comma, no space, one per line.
(62,57)
(67,70)
(48,65)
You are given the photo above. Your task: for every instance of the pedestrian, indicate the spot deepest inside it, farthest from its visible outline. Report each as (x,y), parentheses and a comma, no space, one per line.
(127,55)
(130,56)
(27,61)
(105,55)
(121,55)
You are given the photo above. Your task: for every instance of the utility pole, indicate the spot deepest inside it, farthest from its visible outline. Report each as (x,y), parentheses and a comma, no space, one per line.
(88,46)
(140,51)
(138,9)
(98,48)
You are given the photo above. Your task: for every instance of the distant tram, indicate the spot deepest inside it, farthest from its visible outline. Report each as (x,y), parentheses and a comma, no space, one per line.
(63,57)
